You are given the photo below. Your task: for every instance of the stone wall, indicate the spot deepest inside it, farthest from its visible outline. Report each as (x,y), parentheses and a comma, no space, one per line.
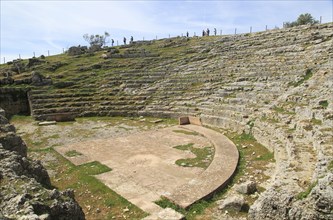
(14,101)
(67,116)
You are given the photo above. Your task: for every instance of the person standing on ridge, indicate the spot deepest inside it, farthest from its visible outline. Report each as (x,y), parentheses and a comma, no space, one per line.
(215,31)
(207,32)
(124,40)
(112,42)
(132,39)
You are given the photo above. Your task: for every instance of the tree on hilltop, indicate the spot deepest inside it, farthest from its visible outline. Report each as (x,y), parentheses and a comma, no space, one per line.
(302,20)
(96,41)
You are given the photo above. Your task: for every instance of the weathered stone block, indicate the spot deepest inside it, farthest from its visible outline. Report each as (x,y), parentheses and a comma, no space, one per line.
(235,203)
(189,120)
(248,187)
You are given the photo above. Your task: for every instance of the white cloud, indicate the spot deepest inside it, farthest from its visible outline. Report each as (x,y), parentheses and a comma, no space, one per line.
(28,26)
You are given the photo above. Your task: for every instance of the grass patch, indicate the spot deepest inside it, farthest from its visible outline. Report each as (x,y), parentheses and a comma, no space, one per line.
(55,136)
(250,123)
(330,165)
(194,210)
(250,153)
(40,143)
(186,132)
(184,147)
(323,104)
(166,203)
(279,109)
(282,111)
(308,127)
(303,195)
(40,150)
(270,120)
(197,209)
(316,121)
(92,168)
(204,156)
(72,153)
(244,137)
(267,156)
(307,76)
(21,118)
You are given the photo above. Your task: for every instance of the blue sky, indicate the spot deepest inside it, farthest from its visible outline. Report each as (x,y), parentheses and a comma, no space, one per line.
(42,26)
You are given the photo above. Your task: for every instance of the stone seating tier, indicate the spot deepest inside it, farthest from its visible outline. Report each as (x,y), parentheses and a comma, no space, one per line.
(230,82)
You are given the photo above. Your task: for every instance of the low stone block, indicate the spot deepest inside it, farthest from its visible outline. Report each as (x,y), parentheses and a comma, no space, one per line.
(190,120)
(235,203)
(195,120)
(248,187)
(184,121)
(45,123)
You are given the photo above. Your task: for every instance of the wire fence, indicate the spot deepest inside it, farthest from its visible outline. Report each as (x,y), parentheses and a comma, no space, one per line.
(216,32)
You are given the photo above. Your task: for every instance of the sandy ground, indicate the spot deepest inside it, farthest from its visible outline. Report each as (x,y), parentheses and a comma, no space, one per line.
(81,130)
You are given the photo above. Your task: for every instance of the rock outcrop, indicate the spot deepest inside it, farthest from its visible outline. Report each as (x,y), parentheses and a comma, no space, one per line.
(318,204)
(37,79)
(235,203)
(25,188)
(74,51)
(248,187)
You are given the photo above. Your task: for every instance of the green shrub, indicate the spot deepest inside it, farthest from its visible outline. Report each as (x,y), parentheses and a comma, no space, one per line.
(323,104)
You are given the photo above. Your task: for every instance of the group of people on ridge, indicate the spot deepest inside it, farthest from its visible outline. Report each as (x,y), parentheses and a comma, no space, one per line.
(131,41)
(124,40)
(204,33)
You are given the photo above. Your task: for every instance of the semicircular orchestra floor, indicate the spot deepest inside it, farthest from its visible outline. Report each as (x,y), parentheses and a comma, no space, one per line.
(144,164)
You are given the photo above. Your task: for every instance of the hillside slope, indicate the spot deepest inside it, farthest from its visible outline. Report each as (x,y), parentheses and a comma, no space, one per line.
(277,85)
